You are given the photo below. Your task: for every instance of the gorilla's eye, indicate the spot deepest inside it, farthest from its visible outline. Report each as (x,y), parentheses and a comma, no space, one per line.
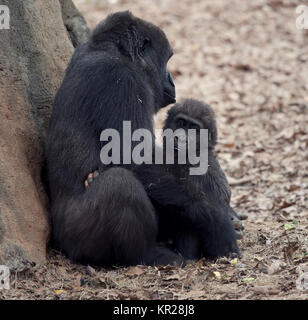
(194,126)
(146,42)
(181,122)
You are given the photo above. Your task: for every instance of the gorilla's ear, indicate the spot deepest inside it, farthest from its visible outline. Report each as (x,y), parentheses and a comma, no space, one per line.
(121,29)
(129,43)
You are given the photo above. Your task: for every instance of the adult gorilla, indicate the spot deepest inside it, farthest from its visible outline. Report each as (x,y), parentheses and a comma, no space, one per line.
(119,74)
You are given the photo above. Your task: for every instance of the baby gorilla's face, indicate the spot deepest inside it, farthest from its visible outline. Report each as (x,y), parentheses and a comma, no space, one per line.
(189,133)
(193,123)
(186,122)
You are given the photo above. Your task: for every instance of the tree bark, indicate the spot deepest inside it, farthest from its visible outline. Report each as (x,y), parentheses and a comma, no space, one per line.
(34,53)
(74,22)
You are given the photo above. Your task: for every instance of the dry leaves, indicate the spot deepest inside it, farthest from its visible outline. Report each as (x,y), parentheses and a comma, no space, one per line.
(246,59)
(135,271)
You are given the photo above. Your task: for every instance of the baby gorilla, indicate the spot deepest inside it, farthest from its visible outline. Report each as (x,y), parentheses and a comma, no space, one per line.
(212,186)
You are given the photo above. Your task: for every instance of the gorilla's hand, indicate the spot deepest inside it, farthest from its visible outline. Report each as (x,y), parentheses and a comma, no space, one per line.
(216,231)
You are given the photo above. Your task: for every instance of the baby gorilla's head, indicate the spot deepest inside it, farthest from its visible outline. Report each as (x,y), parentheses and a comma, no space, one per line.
(193,114)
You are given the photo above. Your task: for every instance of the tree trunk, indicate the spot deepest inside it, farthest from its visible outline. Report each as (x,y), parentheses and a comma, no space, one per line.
(74,22)
(34,53)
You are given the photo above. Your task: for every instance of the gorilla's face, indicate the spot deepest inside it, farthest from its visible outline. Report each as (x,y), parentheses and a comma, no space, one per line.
(186,123)
(192,114)
(152,58)
(141,46)
(160,79)
(169,89)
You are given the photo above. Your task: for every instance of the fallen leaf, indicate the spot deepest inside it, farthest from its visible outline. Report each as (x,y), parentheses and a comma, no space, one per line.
(288,226)
(275,267)
(59,291)
(135,271)
(266,289)
(174,276)
(288,251)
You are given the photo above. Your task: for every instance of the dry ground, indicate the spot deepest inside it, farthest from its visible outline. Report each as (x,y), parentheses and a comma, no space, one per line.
(248,60)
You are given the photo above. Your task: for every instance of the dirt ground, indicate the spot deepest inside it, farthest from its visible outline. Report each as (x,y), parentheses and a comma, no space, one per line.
(248,60)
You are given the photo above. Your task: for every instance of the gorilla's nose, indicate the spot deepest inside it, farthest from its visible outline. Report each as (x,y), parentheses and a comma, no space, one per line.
(170,79)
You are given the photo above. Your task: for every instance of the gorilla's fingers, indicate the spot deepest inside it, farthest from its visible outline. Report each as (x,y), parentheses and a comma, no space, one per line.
(238,226)
(243,216)
(91,177)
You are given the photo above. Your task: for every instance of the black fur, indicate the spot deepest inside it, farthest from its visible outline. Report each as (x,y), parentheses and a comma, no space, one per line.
(119,74)
(211,189)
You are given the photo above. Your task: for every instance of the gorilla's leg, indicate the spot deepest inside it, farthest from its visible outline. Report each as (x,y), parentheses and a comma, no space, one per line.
(209,221)
(181,236)
(237,223)
(112,222)
(188,245)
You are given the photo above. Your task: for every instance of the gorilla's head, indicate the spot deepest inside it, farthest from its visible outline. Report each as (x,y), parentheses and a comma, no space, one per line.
(193,114)
(141,46)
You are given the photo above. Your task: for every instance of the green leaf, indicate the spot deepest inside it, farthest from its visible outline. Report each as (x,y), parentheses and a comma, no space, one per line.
(288,226)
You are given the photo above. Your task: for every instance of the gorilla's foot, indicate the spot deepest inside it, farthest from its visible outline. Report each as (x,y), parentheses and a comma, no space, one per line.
(238,226)
(90,178)
(164,256)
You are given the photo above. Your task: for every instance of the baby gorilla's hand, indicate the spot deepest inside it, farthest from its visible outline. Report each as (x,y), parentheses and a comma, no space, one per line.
(90,178)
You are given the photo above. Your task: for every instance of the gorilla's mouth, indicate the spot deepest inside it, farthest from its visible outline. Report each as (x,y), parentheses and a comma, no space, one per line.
(170,95)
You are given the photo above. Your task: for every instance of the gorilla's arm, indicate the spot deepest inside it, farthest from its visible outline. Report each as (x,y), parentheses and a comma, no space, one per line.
(217,188)
(79,116)
(213,226)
